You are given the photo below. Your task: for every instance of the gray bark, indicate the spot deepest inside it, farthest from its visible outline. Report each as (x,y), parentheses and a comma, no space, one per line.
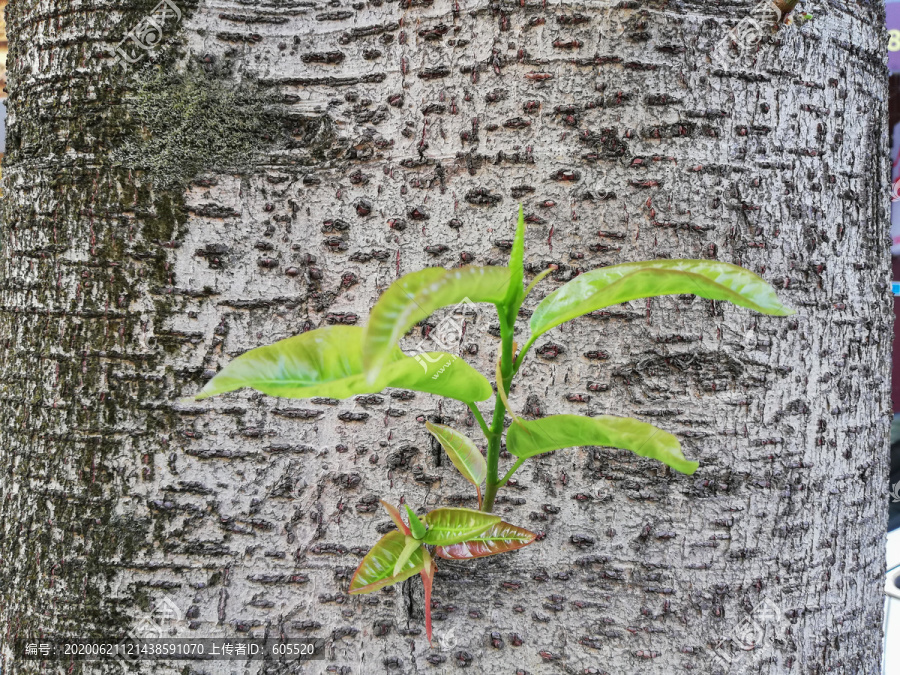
(122,289)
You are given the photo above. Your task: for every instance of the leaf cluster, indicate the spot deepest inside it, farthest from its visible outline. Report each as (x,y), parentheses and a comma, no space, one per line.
(340,362)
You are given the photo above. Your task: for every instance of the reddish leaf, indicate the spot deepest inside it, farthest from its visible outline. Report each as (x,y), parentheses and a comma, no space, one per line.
(394,513)
(500,538)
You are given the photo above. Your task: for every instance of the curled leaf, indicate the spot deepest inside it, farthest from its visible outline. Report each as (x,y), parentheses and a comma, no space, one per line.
(504,399)
(499,538)
(409,547)
(377,569)
(540,277)
(462,452)
(415,525)
(418,295)
(515,294)
(453,525)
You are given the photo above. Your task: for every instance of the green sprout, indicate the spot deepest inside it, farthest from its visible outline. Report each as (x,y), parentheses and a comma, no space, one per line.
(343,361)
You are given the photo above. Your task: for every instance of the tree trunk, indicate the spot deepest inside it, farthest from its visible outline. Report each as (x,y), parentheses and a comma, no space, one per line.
(269,168)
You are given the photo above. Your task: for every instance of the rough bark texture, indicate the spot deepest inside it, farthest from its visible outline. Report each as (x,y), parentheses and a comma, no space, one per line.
(388,137)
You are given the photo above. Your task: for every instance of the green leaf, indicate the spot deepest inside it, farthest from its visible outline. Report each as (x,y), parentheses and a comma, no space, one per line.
(416,526)
(328,362)
(376,569)
(620,283)
(462,452)
(500,538)
(409,547)
(516,266)
(417,296)
(451,526)
(569,431)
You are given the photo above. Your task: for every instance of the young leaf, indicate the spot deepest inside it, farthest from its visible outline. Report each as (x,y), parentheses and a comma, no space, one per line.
(569,431)
(418,295)
(500,538)
(415,525)
(451,526)
(394,513)
(516,266)
(539,278)
(377,569)
(427,582)
(462,452)
(620,283)
(328,362)
(409,547)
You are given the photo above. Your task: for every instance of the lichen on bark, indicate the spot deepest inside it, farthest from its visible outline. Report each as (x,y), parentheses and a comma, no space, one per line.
(195,119)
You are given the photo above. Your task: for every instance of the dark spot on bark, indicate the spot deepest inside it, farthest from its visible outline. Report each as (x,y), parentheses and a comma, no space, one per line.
(323,57)
(339,15)
(550,350)
(434,73)
(582,540)
(568,175)
(572,19)
(482,197)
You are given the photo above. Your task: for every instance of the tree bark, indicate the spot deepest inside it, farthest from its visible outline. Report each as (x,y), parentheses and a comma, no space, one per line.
(270,168)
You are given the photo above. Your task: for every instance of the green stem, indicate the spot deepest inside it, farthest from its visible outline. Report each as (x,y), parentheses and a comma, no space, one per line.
(493,482)
(492,485)
(493,455)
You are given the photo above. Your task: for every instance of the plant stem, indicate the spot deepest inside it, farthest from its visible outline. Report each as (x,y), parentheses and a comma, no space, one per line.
(493,482)
(492,485)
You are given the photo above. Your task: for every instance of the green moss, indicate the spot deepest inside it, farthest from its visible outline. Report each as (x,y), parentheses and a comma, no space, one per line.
(195,121)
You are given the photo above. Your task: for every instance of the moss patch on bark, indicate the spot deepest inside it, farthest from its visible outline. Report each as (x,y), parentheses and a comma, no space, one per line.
(194,121)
